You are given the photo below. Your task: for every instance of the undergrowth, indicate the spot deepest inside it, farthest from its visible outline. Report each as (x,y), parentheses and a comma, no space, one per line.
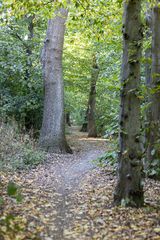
(17,151)
(109,157)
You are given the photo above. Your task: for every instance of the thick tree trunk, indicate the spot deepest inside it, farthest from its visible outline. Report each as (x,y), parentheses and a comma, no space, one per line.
(153,151)
(52,136)
(129,190)
(92,131)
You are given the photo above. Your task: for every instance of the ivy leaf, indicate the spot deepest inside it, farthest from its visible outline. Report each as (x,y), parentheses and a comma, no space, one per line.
(1,201)
(19,198)
(153,152)
(12,189)
(153,172)
(155,163)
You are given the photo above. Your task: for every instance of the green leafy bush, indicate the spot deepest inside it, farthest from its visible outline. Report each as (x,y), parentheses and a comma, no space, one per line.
(17,151)
(109,157)
(154,169)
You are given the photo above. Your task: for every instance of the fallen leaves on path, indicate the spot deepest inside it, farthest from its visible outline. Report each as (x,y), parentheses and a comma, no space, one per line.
(60,200)
(96,218)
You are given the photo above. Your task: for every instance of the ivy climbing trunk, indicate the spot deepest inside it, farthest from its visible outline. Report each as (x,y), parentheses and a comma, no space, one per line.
(153,151)
(52,136)
(92,131)
(129,190)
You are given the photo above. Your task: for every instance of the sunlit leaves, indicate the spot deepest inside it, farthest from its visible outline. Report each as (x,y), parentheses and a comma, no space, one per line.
(19,8)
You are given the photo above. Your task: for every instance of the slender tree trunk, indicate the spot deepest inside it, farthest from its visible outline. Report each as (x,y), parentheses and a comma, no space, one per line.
(29,47)
(85,123)
(92,131)
(29,118)
(153,151)
(148,56)
(68,120)
(129,190)
(148,53)
(89,124)
(52,136)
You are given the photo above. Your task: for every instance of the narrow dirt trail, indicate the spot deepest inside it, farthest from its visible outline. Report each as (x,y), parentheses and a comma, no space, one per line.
(62,174)
(69,198)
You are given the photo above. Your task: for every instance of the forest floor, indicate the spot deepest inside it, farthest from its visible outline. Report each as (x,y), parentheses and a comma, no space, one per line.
(70,197)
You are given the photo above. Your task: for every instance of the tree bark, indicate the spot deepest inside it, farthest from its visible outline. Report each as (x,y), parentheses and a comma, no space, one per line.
(92,131)
(148,56)
(68,120)
(148,53)
(129,190)
(85,123)
(52,136)
(153,150)
(29,47)
(29,120)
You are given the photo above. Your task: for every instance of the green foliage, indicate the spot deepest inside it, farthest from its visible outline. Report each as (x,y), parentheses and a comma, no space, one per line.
(17,150)
(13,191)
(154,169)
(1,201)
(92,27)
(20,78)
(110,157)
(113,127)
(77,71)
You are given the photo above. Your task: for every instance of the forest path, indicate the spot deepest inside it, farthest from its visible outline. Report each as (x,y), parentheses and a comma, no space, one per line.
(62,174)
(69,197)
(70,171)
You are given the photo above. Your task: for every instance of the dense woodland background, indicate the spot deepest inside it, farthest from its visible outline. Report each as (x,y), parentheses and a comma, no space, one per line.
(92,64)
(92,35)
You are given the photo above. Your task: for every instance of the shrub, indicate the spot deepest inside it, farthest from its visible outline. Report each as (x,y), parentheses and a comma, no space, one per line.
(109,157)
(17,151)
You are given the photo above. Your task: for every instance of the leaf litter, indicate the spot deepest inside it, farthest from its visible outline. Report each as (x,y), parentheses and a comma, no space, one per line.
(68,197)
